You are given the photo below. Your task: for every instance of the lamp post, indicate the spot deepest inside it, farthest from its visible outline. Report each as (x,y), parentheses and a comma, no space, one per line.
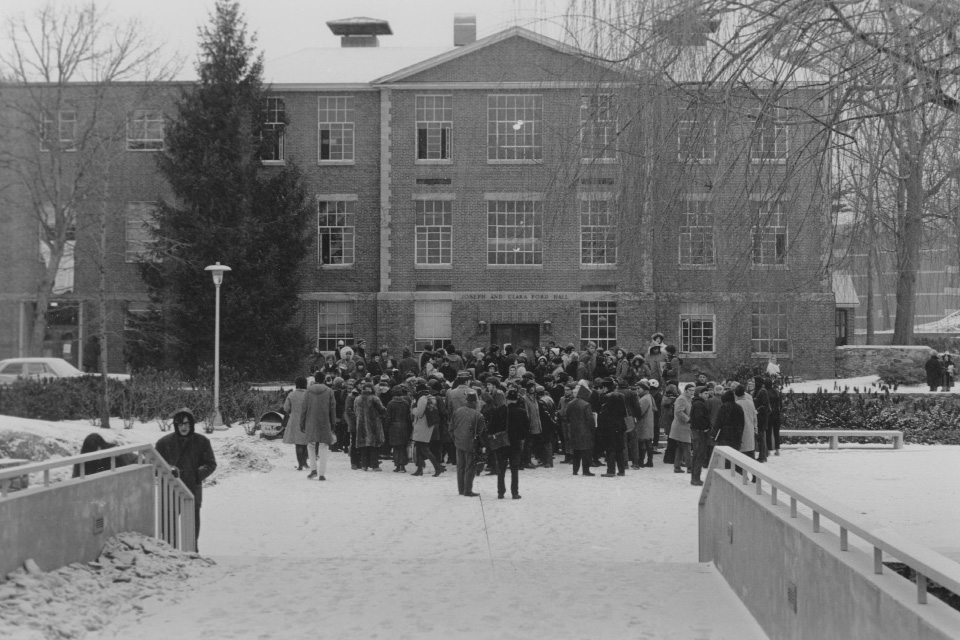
(217,271)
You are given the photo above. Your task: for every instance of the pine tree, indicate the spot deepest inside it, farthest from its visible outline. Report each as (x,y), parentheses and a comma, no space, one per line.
(228,208)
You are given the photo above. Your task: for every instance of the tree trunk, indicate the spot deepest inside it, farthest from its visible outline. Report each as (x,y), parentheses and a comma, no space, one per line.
(909,239)
(102,329)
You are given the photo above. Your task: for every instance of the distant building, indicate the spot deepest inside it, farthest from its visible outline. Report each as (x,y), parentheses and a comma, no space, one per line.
(511,189)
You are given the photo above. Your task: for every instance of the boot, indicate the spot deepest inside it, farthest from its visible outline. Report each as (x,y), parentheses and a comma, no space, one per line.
(418,472)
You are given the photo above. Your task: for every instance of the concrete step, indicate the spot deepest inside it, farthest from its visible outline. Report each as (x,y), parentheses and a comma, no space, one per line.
(284,597)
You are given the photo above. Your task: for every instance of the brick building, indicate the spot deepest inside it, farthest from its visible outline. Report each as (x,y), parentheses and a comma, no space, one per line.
(511,189)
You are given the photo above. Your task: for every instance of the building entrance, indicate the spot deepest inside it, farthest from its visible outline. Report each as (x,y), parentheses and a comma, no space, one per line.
(519,335)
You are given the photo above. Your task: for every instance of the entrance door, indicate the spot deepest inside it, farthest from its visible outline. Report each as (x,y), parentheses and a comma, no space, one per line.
(519,335)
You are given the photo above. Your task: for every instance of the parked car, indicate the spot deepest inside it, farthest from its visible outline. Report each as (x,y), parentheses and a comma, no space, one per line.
(42,368)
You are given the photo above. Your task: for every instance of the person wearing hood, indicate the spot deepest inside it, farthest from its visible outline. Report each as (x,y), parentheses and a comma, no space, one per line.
(581,425)
(190,455)
(317,419)
(656,354)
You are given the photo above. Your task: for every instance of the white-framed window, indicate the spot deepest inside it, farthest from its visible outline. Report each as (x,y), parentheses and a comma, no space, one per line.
(515,128)
(598,128)
(598,323)
(145,130)
(59,131)
(336,231)
(769,140)
(434,232)
(334,323)
(768,327)
(432,324)
(697,328)
(696,232)
(275,120)
(696,136)
(335,128)
(769,233)
(139,224)
(434,127)
(598,232)
(514,232)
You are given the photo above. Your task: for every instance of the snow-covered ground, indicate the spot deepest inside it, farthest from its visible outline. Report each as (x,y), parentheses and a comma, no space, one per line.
(384,555)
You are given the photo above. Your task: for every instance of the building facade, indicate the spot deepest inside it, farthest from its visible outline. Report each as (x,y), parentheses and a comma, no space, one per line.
(512,190)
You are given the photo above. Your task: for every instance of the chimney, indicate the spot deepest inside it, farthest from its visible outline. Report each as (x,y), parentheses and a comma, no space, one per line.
(464,29)
(360,32)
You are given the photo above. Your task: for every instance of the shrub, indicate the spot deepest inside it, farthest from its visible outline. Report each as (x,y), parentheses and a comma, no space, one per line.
(901,373)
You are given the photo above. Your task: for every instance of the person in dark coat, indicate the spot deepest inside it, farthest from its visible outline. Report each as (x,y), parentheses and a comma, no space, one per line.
(190,455)
(578,415)
(730,423)
(466,426)
(761,400)
(399,427)
(699,433)
(773,425)
(611,429)
(369,413)
(96,442)
(518,428)
(949,370)
(670,395)
(934,370)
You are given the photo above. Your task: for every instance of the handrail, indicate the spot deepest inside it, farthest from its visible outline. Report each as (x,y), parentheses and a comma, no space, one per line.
(927,564)
(174,500)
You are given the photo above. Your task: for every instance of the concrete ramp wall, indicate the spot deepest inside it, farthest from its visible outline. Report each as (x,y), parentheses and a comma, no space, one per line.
(70,521)
(798,584)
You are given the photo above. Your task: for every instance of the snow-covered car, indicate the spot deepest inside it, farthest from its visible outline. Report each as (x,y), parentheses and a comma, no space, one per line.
(42,368)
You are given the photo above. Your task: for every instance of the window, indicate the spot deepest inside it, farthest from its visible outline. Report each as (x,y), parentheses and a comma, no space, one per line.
(272,134)
(769,233)
(61,133)
(139,227)
(696,137)
(63,280)
(768,328)
(697,324)
(145,130)
(769,135)
(335,118)
(598,128)
(841,327)
(334,322)
(335,228)
(434,125)
(514,232)
(598,323)
(432,326)
(514,124)
(433,232)
(598,232)
(696,233)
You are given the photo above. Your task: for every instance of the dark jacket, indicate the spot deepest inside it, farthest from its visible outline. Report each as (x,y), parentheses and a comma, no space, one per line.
(699,415)
(610,424)
(518,423)
(466,426)
(934,371)
(578,415)
(191,455)
(730,422)
(399,422)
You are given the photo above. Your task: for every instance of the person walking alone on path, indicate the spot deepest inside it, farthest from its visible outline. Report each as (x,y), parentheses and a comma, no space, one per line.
(316,424)
(190,455)
(292,409)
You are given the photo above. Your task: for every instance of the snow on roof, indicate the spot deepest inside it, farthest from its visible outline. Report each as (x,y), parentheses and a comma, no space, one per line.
(338,65)
(948,324)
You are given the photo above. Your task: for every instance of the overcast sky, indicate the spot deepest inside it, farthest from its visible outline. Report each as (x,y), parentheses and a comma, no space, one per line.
(285,26)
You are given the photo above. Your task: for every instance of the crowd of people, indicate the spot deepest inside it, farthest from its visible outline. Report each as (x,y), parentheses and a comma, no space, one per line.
(501,408)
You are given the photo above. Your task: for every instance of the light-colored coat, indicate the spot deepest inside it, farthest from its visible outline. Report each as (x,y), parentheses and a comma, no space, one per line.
(422,431)
(749,442)
(293,408)
(319,414)
(680,427)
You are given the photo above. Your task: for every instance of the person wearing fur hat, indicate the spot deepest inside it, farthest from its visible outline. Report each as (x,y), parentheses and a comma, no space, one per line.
(656,355)
(190,455)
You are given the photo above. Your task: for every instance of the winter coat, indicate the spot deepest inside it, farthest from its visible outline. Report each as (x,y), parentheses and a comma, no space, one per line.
(934,371)
(191,455)
(761,401)
(349,412)
(399,423)
(646,417)
(466,425)
(730,422)
(623,367)
(632,400)
(370,413)
(680,426)
(518,424)
(422,431)
(533,413)
(293,409)
(666,413)
(579,417)
(749,442)
(319,414)
(699,416)
(610,424)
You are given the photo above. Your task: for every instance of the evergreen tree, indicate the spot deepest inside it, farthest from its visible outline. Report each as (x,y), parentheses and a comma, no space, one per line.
(228,208)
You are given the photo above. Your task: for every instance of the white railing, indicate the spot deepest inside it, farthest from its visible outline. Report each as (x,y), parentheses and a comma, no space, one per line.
(928,564)
(174,502)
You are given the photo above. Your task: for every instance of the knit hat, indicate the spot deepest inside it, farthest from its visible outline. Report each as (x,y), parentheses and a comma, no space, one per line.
(512,395)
